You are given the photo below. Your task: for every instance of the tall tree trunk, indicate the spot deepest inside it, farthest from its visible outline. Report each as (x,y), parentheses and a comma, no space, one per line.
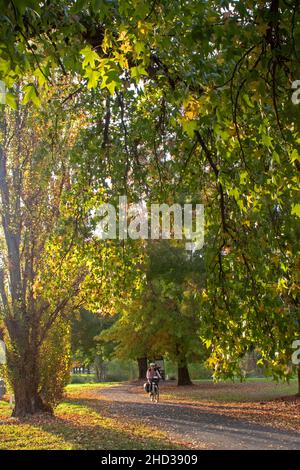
(298,374)
(27,399)
(183,374)
(25,382)
(142,365)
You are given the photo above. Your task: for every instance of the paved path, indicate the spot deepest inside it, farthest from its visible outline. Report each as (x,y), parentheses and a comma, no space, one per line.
(195,425)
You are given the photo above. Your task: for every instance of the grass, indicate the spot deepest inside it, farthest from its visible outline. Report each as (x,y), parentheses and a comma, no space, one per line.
(251,390)
(91,385)
(79,423)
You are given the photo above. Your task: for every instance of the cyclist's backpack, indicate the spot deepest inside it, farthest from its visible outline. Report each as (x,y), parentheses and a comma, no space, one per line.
(147,387)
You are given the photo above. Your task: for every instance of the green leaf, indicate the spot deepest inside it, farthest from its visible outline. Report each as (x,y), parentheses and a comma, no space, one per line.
(266,140)
(111,87)
(10,100)
(276,157)
(243,176)
(97,4)
(110,81)
(41,77)
(138,71)
(93,78)
(234,192)
(294,156)
(4,66)
(30,94)
(247,101)
(189,127)
(296,210)
(90,57)
(139,47)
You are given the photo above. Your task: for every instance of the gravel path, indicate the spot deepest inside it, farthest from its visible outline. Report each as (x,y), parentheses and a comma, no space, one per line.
(194,425)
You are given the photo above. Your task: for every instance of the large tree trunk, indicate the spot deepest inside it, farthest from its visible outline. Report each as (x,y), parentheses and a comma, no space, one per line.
(25,380)
(142,365)
(183,374)
(27,399)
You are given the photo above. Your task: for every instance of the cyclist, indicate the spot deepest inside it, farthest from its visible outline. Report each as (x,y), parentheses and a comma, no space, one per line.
(153,375)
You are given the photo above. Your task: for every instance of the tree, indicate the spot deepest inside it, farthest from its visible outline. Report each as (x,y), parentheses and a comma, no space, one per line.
(164,318)
(51,263)
(86,345)
(176,293)
(130,336)
(33,177)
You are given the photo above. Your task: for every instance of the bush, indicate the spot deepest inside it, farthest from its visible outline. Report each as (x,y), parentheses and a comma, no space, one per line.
(55,363)
(82,378)
(199,371)
(118,371)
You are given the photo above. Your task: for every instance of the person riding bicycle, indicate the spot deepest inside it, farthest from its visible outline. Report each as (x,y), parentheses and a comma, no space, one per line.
(153,374)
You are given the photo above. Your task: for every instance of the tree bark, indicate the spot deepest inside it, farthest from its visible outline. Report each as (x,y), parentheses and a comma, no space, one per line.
(183,374)
(27,399)
(100,369)
(25,383)
(142,365)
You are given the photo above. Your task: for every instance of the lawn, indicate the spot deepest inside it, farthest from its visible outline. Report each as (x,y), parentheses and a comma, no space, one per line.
(251,390)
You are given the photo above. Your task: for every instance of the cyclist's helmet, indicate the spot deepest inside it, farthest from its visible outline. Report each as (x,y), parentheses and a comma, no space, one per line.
(152,364)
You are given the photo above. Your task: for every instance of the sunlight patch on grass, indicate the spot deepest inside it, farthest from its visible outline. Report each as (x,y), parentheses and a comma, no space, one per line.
(16,435)
(74,388)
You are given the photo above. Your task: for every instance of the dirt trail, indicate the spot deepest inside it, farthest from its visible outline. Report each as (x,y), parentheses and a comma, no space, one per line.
(194,425)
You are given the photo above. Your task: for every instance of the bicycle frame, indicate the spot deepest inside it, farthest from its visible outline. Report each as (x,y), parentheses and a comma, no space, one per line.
(154,391)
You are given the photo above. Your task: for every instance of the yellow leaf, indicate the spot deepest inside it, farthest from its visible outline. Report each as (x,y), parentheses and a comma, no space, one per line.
(191,108)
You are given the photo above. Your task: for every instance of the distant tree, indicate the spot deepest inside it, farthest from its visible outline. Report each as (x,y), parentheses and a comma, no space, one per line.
(165,318)
(176,281)
(87,347)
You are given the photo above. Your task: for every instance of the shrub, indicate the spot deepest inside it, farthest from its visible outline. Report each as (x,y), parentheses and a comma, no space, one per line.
(55,363)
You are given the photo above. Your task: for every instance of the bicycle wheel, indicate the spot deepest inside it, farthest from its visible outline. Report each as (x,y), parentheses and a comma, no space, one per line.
(151,393)
(156,394)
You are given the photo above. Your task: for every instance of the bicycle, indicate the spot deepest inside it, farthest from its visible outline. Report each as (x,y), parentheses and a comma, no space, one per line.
(154,391)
